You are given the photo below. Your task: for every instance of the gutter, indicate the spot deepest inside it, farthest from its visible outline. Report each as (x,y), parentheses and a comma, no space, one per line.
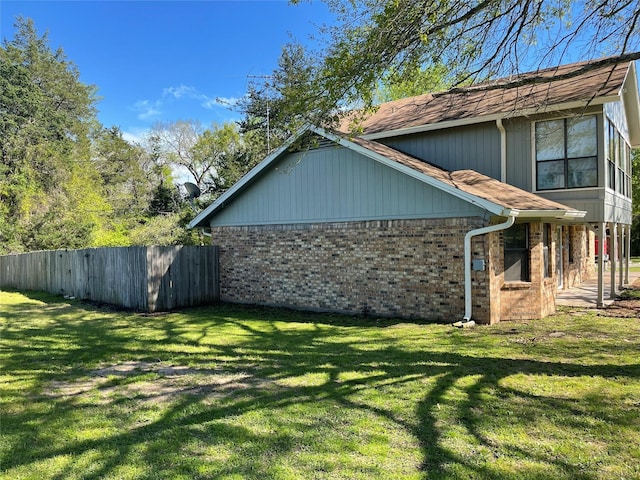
(467,258)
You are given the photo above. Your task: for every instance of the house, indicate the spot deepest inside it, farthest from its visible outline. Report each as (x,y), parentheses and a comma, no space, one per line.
(477,203)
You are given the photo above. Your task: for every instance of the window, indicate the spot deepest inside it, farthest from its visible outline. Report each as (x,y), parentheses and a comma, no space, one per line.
(516,253)
(566,153)
(618,161)
(611,159)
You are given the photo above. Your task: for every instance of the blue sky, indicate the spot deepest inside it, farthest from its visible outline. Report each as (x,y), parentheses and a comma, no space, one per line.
(168,60)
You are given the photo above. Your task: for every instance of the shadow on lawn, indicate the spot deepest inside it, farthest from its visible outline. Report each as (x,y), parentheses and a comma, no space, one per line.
(463,389)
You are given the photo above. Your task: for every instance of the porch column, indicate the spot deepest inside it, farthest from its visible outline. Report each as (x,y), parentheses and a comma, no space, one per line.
(623,255)
(613,253)
(628,258)
(602,235)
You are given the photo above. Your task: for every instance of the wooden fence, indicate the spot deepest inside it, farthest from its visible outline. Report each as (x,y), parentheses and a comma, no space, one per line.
(149,279)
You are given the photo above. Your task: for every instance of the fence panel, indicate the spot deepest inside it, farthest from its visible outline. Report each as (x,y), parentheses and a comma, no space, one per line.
(141,278)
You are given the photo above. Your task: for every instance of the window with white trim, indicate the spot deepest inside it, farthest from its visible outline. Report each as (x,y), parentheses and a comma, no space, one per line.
(618,161)
(566,153)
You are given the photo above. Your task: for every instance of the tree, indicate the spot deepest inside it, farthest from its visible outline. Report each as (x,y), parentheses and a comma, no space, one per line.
(476,40)
(422,80)
(635,192)
(46,115)
(275,109)
(213,157)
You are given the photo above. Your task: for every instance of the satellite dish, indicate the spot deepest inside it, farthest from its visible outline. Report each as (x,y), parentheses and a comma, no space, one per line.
(192,189)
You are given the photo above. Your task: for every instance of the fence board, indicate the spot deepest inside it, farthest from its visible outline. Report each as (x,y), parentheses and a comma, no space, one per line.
(156,278)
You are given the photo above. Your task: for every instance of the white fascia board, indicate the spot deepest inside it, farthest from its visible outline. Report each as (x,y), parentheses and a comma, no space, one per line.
(631,104)
(490,118)
(240,184)
(559,214)
(472,199)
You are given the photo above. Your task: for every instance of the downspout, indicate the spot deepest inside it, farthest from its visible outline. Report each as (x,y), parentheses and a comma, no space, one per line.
(467,259)
(503,150)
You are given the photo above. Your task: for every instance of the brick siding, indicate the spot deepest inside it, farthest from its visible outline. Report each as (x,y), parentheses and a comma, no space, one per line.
(406,268)
(403,268)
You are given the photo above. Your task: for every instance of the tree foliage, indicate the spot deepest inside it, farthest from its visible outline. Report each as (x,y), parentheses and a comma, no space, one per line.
(475,39)
(46,115)
(214,157)
(275,108)
(66,181)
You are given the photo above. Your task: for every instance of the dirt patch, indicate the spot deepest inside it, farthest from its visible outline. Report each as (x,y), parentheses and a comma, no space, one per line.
(150,382)
(627,305)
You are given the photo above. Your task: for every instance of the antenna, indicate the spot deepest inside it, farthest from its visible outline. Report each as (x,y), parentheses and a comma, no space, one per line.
(192,190)
(265,78)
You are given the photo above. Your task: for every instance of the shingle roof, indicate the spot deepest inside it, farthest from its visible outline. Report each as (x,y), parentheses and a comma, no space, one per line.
(500,97)
(469,181)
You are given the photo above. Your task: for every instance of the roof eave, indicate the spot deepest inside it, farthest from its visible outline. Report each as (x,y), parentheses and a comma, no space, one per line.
(631,103)
(556,214)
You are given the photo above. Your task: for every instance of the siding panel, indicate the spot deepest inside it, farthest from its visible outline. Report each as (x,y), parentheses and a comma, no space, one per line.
(475,147)
(337,184)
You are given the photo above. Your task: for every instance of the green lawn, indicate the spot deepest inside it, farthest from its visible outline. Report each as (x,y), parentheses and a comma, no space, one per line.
(250,393)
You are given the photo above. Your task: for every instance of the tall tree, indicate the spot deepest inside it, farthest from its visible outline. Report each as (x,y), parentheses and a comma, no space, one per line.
(212,157)
(46,115)
(276,105)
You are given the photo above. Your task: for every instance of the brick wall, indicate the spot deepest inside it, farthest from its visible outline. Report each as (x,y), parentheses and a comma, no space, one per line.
(535,298)
(407,268)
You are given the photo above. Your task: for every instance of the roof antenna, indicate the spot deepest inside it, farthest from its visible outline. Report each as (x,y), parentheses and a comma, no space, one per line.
(266,79)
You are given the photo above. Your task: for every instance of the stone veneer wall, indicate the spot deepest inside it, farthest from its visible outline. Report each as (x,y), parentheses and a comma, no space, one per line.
(583,265)
(406,268)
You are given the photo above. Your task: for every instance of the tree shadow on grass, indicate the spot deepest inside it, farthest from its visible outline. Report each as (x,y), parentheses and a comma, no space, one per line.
(198,433)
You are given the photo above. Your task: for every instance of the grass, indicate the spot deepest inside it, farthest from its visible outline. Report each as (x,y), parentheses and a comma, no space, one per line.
(249,393)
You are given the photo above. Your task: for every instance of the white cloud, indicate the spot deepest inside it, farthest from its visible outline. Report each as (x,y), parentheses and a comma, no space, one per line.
(181,91)
(154,109)
(192,93)
(136,135)
(146,109)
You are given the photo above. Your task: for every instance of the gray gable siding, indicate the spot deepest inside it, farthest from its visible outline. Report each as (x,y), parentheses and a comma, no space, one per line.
(519,160)
(335,184)
(475,147)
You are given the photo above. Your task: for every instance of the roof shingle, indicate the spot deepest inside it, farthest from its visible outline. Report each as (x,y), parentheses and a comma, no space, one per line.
(499,97)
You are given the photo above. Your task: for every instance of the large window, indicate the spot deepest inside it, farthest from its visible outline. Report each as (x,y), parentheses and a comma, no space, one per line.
(618,161)
(566,153)
(516,253)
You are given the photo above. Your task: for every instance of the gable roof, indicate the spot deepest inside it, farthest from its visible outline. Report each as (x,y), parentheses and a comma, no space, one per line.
(570,86)
(475,188)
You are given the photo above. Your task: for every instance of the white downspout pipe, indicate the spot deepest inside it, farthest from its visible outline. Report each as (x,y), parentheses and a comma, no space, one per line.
(503,150)
(467,259)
